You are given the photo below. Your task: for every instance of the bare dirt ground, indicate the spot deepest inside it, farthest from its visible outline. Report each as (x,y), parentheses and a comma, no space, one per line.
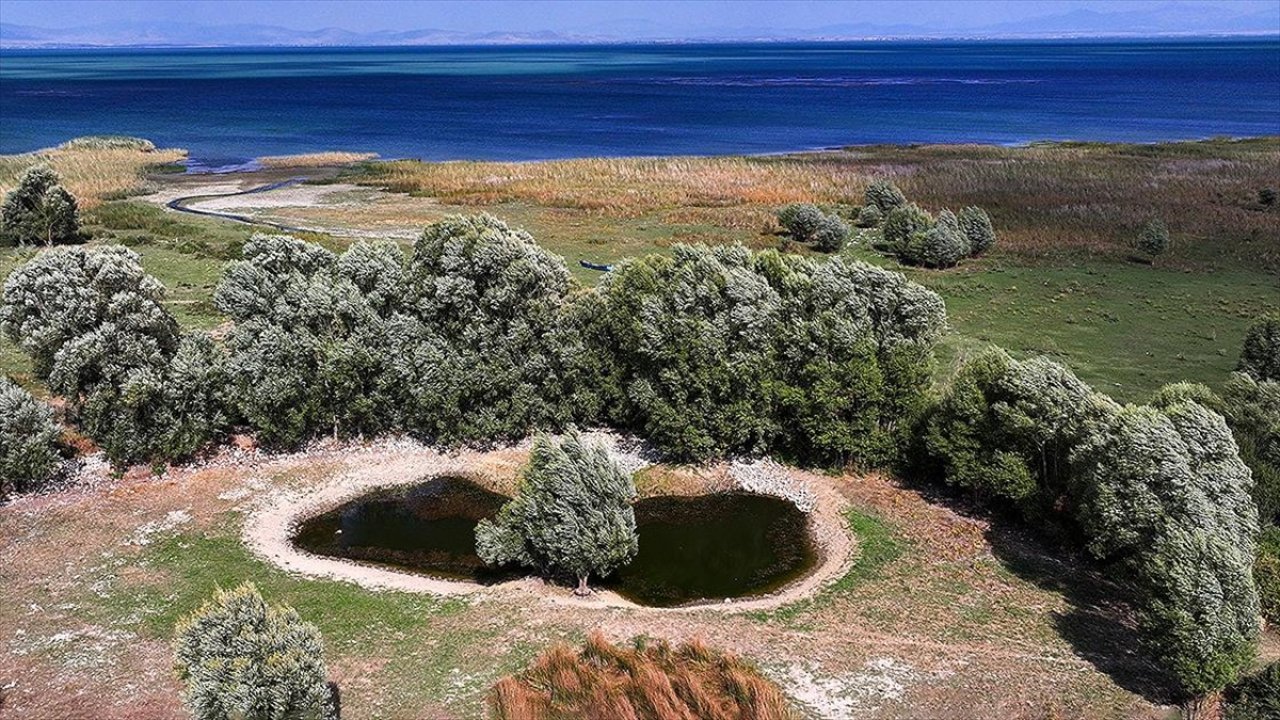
(964,620)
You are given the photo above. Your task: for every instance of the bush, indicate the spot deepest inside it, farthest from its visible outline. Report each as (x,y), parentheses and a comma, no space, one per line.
(1153,239)
(1252,409)
(716,350)
(1256,697)
(831,234)
(1260,356)
(239,658)
(870,216)
(1266,573)
(941,246)
(105,346)
(801,220)
(28,437)
(39,211)
(1158,490)
(902,224)
(572,515)
(649,682)
(884,196)
(975,224)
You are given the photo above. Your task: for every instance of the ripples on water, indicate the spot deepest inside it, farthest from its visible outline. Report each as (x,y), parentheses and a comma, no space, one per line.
(230,105)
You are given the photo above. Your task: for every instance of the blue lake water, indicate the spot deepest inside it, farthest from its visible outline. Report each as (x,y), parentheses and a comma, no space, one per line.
(227,105)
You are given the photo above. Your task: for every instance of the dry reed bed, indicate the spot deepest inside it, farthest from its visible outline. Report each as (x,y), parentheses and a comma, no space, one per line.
(317,159)
(651,682)
(1045,199)
(92,173)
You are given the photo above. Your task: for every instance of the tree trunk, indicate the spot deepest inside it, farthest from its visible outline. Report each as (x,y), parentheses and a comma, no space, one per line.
(582,586)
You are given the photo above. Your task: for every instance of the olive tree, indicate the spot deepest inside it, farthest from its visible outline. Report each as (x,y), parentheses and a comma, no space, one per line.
(802,221)
(853,356)
(1152,240)
(1260,356)
(1164,492)
(238,657)
(941,246)
(488,303)
(95,327)
(884,196)
(28,440)
(902,224)
(65,294)
(572,515)
(831,234)
(976,226)
(39,211)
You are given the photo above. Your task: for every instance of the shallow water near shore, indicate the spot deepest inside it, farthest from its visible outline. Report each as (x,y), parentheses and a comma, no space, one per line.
(229,105)
(692,549)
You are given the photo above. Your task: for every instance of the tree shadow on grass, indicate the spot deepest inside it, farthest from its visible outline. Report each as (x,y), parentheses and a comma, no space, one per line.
(1100,624)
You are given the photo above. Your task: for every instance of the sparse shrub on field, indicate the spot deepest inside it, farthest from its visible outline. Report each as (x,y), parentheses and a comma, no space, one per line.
(1260,355)
(572,515)
(28,440)
(870,216)
(240,658)
(1256,697)
(976,226)
(39,211)
(652,681)
(831,234)
(1153,240)
(1267,196)
(884,196)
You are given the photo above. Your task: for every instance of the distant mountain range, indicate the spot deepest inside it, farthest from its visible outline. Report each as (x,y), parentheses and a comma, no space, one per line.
(1162,20)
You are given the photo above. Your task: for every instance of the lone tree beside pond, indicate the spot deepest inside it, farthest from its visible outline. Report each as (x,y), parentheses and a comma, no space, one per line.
(572,516)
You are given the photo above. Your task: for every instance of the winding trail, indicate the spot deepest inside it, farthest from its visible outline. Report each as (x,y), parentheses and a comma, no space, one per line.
(180,205)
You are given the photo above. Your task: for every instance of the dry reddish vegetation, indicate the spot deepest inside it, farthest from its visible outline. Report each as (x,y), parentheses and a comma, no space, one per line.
(650,682)
(1044,199)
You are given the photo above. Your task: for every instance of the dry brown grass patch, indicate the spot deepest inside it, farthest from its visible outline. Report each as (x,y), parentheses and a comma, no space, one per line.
(319,159)
(649,682)
(92,174)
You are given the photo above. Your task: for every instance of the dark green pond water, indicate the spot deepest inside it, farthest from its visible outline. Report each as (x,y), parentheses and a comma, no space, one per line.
(692,549)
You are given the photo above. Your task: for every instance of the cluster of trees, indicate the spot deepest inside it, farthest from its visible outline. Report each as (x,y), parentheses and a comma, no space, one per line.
(807,223)
(916,237)
(572,516)
(39,211)
(238,657)
(1157,491)
(99,335)
(480,335)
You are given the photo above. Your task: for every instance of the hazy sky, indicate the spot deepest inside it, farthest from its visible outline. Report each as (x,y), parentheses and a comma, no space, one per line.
(678,18)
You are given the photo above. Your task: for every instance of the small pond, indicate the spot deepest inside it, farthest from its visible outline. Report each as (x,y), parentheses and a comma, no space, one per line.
(692,549)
